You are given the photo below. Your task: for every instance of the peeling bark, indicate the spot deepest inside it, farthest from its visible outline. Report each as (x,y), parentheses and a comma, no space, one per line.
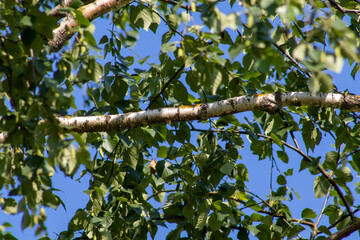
(90,11)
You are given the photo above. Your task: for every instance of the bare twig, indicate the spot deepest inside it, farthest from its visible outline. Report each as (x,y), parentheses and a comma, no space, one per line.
(321,170)
(292,59)
(315,231)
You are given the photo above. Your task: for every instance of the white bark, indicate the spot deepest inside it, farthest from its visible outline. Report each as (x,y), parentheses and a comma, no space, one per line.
(90,11)
(265,102)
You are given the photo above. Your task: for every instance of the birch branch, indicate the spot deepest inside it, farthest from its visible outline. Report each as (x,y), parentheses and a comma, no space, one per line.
(270,103)
(90,11)
(265,102)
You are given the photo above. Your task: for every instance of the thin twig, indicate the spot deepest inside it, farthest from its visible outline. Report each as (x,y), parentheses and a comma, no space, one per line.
(141,58)
(342,219)
(343,10)
(308,159)
(310,224)
(286,123)
(321,170)
(165,86)
(292,59)
(315,231)
(162,18)
(164,191)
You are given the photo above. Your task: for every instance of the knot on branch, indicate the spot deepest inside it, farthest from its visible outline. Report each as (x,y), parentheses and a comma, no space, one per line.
(271,103)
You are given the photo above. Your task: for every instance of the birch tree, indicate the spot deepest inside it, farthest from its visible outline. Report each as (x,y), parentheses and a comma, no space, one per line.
(162,136)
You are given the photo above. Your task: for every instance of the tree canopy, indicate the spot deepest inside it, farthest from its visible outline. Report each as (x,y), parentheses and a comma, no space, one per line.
(162,136)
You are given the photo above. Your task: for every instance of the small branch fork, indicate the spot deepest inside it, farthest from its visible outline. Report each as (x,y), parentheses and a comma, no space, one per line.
(344,10)
(322,171)
(308,159)
(165,86)
(310,224)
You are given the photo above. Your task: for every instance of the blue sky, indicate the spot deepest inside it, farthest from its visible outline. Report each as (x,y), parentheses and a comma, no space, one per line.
(259,171)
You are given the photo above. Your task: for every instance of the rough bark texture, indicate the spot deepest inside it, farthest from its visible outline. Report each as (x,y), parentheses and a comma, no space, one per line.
(265,102)
(270,103)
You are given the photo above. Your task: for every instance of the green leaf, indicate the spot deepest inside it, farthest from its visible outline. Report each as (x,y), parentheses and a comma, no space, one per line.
(188,212)
(10,206)
(321,186)
(228,169)
(162,152)
(180,93)
(51,200)
(355,70)
(214,223)
(281,180)
(141,61)
(163,168)
(168,47)
(325,230)
(202,215)
(131,157)
(331,160)
(80,18)
(282,155)
(78,221)
(289,172)
(26,21)
(142,16)
(294,231)
(76,3)
(26,220)
(308,213)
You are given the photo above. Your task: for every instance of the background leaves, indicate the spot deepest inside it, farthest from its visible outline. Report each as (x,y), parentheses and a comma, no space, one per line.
(201,184)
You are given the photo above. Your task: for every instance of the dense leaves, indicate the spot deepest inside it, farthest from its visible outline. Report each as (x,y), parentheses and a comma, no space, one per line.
(189,178)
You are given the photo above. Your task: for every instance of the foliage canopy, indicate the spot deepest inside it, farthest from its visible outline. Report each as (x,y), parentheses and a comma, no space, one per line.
(210,51)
